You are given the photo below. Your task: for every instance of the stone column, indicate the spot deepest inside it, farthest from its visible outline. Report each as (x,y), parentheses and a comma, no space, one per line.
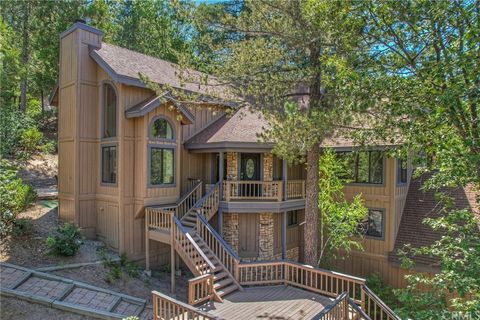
(232,165)
(267,167)
(231,230)
(265,247)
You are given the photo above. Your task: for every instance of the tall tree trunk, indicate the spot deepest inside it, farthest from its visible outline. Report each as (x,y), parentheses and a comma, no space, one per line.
(25,44)
(311,206)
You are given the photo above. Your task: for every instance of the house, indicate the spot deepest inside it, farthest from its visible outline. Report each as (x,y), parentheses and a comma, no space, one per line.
(160,180)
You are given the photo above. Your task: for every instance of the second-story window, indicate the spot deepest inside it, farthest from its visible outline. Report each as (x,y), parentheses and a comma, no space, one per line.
(161,128)
(162,165)
(109,111)
(401,170)
(363,166)
(373,226)
(109,164)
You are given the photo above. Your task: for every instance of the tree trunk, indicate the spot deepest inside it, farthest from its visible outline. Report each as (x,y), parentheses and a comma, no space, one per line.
(25,44)
(311,206)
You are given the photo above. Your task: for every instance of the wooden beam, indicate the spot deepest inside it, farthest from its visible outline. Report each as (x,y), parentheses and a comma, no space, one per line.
(220,221)
(172,267)
(284,235)
(284,178)
(220,172)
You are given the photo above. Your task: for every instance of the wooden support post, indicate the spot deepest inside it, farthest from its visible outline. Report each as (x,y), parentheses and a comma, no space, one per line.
(284,235)
(172,267)
(220,221)
(284,178)
(220,172)
(147,245)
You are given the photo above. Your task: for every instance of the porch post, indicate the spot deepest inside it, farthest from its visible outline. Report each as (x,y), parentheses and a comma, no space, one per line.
(147,245)
(172,268)
(220,172)
(220,221)
(284,235)
(284,178)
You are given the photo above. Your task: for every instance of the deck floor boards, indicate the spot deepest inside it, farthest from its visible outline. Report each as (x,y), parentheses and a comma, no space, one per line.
(272,302)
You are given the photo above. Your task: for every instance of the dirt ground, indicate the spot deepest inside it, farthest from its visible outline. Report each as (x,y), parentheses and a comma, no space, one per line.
(140,286)
(40,171)
(11,308)
(30,250)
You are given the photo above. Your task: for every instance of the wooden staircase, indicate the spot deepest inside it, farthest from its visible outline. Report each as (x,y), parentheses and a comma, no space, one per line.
(183,227)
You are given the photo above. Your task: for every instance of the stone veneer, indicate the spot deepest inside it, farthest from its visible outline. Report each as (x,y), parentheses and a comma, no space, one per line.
(232,165)
(265,237)
(292,254)
(267,167)
(230,229)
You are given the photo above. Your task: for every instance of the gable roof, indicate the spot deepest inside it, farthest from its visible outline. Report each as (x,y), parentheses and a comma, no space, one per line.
(125,65)
(419,205)
(240,130)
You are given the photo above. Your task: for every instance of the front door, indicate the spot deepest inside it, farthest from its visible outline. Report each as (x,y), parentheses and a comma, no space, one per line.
(250,171)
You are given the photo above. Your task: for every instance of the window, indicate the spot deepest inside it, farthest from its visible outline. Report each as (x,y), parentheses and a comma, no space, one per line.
(161,129)
(292,218)
(109,164)
(363,167)
(373,225)
(162,166)
(401,170)
(109,111)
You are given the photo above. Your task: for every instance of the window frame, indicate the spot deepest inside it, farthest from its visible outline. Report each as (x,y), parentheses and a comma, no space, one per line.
(295,212)
(399,163)
(108,145)
(149,163)
(355,171)
(102,111)
(382,238)
(151,137)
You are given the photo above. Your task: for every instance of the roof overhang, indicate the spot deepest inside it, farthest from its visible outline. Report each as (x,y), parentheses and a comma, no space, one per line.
(154,102)
(226,146)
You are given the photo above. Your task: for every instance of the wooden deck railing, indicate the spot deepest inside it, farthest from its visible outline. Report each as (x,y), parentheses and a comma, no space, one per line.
(189,250)
(200,289)
(343,307)
(159,219)
(374,307)
(253,190)
(208,205)
(218,246)
(295,189)
(166,308)
(321,281)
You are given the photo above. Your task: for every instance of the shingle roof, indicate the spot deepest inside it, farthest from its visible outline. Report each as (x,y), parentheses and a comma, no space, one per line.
(418,206)
(243,126)
(147,105)
(124,65)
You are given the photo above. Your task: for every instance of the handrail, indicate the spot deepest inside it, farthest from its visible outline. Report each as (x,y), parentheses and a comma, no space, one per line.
(188,193)
(166,308)
(208,205)
(372,308)
(200,289)
(200,202)
(193,243)
(218,237)
(343,307)
(180,203)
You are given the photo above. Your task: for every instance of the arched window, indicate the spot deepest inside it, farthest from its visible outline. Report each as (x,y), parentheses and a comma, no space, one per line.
(161,128)
(109,111)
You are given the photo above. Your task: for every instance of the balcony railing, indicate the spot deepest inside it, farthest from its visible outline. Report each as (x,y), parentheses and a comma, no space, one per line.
(263,190)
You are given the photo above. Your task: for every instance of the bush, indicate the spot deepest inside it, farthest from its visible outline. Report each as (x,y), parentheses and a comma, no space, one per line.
(30,141)
(22,227)
(66,241)
(15,196)
(12,122)
(115,269)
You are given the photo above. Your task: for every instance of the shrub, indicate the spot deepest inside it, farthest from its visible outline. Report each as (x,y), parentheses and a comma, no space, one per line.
(22,227)
(12,122)
(116,268)
(15,196)
(30,141)
(66,241)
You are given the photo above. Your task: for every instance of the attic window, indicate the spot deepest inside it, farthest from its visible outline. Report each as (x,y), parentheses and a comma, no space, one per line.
(162,129)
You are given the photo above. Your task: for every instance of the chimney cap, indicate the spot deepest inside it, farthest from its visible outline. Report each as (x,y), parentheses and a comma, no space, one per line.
(81,24)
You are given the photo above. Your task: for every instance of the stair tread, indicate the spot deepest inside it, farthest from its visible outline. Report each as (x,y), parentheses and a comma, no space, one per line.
(222,283)
(219,275)
(226,290)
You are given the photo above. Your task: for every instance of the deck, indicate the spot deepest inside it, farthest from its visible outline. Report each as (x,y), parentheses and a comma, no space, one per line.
(272,302)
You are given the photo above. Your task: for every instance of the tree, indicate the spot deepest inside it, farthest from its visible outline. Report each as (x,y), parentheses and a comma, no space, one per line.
(339,225)
(278,52)
(421,84)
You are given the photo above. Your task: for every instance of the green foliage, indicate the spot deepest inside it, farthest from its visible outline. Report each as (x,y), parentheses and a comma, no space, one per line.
(66,241)
(384,291)
(117,268)
(30,140)
(22,227)
(339,219)
(15,196)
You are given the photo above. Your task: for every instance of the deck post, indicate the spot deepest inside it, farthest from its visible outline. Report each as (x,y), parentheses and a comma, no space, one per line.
(284,178)
(284,235)
(147,244)
(220,221)
(172,268)
(220,172)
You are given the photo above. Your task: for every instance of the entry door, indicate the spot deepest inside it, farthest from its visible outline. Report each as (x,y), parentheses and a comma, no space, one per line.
(248,235)
(250,171)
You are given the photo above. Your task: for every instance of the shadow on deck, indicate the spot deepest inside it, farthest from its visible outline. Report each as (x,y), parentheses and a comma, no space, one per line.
(272,302)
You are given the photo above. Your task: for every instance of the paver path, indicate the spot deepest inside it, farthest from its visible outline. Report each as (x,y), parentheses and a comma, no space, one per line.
(69,295)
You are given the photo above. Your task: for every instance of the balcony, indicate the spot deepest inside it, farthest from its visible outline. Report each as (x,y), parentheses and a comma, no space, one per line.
(276,191)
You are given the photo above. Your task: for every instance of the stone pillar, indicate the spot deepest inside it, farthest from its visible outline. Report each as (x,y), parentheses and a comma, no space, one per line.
(265,247)
(231,230)
(267,167)
(232,165)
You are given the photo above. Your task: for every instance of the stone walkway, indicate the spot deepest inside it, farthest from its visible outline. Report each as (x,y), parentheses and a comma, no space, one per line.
(69,295)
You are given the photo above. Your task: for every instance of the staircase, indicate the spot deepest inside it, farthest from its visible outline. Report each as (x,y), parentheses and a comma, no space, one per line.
(193,237)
